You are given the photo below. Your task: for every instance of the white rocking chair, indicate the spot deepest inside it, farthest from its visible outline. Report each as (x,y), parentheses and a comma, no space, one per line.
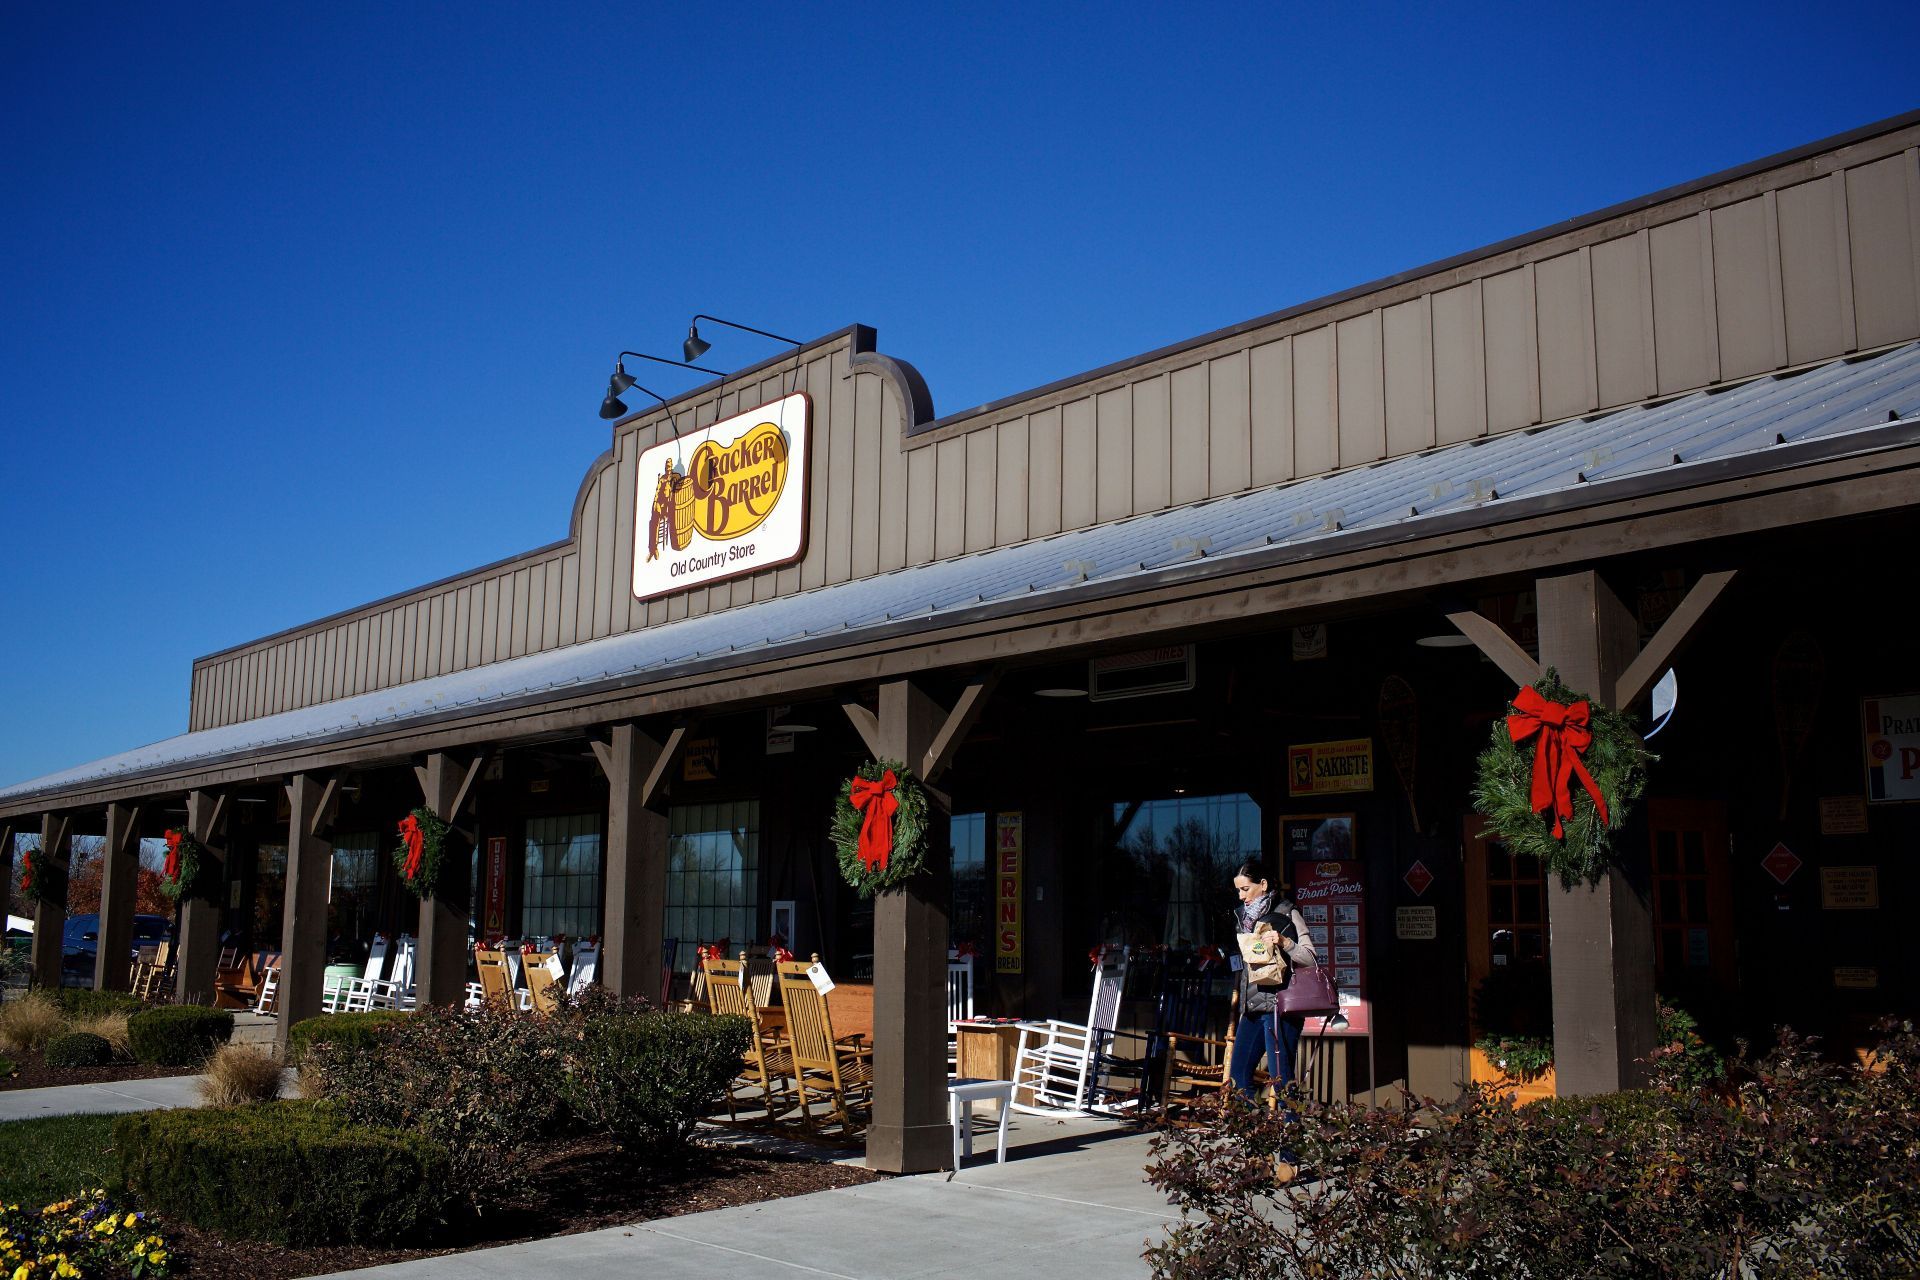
(586,968)
(335,997)
(395,991)
(1055,1060)
(959,1002)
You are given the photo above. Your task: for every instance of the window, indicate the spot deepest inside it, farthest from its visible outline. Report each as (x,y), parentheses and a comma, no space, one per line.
(353,899)
(967,916)
(713,875)
(1173,878)
(1516,906)
(560,886)
(269,891)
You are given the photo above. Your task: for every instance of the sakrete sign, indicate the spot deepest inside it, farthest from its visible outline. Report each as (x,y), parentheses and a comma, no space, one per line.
(724,501)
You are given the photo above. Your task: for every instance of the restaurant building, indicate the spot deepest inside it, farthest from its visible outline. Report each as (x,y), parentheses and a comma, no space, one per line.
(1261,594)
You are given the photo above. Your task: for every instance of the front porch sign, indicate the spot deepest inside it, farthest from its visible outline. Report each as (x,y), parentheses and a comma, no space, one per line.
(727,500)
(1893,747)
(1558,778)
(1009,847)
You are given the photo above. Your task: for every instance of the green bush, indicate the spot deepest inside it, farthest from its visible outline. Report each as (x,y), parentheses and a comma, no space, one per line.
(346,1032)
(484,1085)
(177,1035)
(6,1066)
(647,1078)
(1803,1167)
(84,1002)
(78,1049)
(295,1173)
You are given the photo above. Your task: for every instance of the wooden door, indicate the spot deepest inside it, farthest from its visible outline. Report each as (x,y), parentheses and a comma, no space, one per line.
(1692,896)
(1506,906)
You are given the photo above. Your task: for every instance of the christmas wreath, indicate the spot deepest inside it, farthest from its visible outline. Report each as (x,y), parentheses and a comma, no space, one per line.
(423,838)
(180,878)
(1558,778)
(42,883)
(880,827)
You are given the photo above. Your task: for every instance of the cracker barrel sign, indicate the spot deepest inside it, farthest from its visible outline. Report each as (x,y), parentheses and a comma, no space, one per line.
(724,501)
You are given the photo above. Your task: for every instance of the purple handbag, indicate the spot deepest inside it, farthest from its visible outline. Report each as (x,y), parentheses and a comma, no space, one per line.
(1309,991)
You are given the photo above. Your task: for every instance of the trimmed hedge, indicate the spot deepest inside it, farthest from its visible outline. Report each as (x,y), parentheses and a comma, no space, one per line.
(178,1035)
(78,1049)
(294,1173)
(647,1078)
(346,1032)
(84,1002)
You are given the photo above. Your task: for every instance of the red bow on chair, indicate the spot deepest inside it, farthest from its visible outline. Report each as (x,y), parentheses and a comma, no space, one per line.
(1564,734)
(415,840)
(876,802)
(173,855)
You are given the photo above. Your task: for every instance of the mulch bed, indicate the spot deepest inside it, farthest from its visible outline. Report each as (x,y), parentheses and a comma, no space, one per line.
(32,1072)
(584,1185)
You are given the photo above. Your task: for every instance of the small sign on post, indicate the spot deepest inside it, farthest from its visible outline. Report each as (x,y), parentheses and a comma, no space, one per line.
(1416,924)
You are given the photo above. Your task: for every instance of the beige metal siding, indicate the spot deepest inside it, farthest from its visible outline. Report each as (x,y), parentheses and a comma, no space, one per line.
(1814,259)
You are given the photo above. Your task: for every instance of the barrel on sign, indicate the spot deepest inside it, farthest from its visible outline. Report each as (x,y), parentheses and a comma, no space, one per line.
(682,514)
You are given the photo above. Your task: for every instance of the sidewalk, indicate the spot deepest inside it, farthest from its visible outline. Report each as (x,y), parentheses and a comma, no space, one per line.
(1071,1203)
(93,1099)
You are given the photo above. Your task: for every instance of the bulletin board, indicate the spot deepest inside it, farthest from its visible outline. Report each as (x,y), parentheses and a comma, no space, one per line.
(1330,888)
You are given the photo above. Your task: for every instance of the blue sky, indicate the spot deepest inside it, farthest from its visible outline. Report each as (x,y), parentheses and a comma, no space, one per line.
(306,304)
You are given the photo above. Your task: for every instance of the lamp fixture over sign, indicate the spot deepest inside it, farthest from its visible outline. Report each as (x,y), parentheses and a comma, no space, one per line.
(696,346)
(612,407)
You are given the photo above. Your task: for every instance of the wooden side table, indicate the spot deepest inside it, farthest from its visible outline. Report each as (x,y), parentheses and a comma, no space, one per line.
(986,1051)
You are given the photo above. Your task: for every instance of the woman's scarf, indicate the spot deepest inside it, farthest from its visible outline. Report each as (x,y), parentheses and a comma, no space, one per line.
(1248,913)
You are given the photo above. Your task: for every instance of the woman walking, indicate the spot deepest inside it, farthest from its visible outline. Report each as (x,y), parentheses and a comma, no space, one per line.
(1260,1027)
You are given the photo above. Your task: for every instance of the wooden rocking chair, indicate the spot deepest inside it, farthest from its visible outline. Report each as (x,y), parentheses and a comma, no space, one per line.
(496,981)
(543,989)
(767,1059)
(840,1070)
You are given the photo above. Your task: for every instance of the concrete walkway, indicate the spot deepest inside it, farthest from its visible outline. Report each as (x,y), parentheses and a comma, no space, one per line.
(94,1099)
(1070,1202)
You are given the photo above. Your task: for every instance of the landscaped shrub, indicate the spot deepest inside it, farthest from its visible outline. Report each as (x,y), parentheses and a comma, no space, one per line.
(240,1073)
(84,1002)
(178,1035)
(92,1234)
(346,1032)
(6,1067)
(1683,1060)
(29,1022)
(485,1085)
(111,1027)
(1807,1171)
(291,1172)
(77,1049)
(647,1078)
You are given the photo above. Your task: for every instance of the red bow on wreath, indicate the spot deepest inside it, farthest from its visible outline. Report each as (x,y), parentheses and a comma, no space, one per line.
(26,873)
(876,803)
(962,950)
(782,956)
(415,840)
(1096,954)
(173,855)
(1208,956)
(1564,734)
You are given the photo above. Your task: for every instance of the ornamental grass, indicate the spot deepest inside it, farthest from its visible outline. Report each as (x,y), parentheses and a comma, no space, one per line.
(111,1027)
(238,1074)
(28,1023)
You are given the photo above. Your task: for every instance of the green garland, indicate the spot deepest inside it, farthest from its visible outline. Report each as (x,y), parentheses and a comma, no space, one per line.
(433,843)
(1617,759)
(40,883)
(909,855)
(186,880)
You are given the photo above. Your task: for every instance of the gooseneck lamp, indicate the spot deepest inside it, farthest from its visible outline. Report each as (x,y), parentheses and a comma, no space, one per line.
(611,407)
(696,346)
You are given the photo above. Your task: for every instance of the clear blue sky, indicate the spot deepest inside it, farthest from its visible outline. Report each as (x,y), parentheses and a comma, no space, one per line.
(306,304)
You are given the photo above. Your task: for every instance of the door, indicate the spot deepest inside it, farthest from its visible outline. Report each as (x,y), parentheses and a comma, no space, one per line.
(1692,897)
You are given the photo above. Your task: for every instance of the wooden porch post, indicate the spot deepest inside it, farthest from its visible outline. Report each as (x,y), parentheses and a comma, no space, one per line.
(50,917)
(118,881)
(1602,935)
(446,781)
(635,764)
(311,800)
(199,946)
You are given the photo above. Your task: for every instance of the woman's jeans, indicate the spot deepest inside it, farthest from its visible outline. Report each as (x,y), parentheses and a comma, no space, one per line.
(1257,1034)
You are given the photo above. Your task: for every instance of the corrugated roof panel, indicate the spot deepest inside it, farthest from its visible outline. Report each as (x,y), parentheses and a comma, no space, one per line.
(1848,396)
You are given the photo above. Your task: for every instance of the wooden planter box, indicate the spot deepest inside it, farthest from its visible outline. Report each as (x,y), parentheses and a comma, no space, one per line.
(1485,1071)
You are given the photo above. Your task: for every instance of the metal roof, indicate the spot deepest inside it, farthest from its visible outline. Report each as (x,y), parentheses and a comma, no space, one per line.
(1858,404)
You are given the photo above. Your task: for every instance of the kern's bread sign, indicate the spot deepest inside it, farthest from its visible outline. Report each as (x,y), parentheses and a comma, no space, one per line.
(724,501)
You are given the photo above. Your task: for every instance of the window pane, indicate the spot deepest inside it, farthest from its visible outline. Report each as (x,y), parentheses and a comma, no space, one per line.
(714,891)
(561,890)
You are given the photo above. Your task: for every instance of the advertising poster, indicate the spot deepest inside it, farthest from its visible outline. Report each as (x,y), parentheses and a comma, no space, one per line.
(1008,847)
(1331,894)
(493,911)
(1893,747)
(1328,768)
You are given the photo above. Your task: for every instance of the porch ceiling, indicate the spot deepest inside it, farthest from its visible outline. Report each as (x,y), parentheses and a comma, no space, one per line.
(1842,409)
